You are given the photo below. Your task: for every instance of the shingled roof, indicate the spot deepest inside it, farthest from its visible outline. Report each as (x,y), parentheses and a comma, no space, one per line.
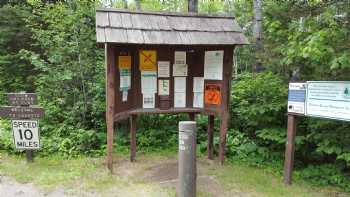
(129,27)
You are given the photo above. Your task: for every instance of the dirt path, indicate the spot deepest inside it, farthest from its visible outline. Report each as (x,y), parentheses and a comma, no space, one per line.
(11,188)
(156,177)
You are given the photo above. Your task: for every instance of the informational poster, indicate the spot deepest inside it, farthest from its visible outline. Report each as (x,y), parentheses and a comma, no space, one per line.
(180,99)
(179,91)
(163,69)
(125,96)
(148,60)
(296,98)
(212,94)
(198,84)
(179,84)
(124,62)
(125,81)
(180,70)
(198,99)
(213,65)
(328,99)
(163,87)
(180,57)
(148,82)
(198,91)
(148,100)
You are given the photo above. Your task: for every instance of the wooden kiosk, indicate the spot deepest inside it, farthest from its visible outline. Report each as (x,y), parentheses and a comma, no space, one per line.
(167,63)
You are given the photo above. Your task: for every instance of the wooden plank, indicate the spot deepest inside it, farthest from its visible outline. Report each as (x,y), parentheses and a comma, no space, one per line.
(14,112)
(210,147)
(20,99)
(102,19)
(126,20)
(133,120)
(140,21)
(135,36)
(290,146)
(115,20)
(100,35)
(167,111)
(116,35)
(163,23)
(110,106)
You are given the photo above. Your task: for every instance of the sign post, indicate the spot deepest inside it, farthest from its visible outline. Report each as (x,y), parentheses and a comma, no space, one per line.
(322,99)
(25,126)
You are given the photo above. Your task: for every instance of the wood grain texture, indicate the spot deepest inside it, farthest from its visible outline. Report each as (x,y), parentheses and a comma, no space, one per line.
(176,29)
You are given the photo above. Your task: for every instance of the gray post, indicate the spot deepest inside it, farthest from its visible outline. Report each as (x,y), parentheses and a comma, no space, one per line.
(30,156)
(187,159)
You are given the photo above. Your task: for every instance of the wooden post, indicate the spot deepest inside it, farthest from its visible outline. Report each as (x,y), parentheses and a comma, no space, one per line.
(133,119)
(192,116)
(289,155)
(110,91)
(30,156)
(223,134)
(210,137)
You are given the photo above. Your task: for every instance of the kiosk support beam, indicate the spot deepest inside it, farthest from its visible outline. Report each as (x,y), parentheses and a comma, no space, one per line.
(192,116)
(133,119)
(223,134)
(110,85)
(210,137)
(290,146)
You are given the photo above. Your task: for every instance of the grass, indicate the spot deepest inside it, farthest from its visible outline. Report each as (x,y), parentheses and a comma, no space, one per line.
(84,175)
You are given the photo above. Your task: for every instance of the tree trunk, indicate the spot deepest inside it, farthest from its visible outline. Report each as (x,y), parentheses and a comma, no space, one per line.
(138,4)
(193,6)
(257,33)
(125,2)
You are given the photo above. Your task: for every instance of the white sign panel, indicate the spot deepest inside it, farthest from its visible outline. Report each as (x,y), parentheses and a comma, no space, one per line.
(148,101)
(296,98)
(328,99)
(148,82)
(163,69)
(180,99)
(26,134)
(180,70)
(180,57)
(213,65)
(163,87)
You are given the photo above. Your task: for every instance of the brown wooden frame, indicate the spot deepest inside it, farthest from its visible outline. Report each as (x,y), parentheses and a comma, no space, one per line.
(117,110)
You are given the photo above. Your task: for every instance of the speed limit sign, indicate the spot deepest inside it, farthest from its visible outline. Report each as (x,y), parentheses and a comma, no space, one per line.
(26,134)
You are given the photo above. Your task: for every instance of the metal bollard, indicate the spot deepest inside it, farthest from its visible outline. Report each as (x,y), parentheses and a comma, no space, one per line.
(187,159)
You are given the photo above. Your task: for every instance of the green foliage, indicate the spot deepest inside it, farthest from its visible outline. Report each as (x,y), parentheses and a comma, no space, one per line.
(324,175)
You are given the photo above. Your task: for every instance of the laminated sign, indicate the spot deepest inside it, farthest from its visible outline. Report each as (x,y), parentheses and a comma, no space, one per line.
(148,60)
(124,62)
(212,94)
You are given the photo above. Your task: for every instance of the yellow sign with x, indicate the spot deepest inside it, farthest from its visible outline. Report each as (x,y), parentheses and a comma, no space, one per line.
(148,60)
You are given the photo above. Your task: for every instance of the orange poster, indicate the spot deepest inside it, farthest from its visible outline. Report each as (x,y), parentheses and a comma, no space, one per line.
(124,62)
(148,60)
(212,94)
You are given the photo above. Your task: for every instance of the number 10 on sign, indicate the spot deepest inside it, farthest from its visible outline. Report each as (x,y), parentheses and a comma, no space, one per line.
(26,134)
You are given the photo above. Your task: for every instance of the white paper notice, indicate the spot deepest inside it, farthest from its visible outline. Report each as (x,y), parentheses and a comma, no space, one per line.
(213,65)
(163,69)
(180,99)
(179,84)
(198,99)
(180,70)
(125,96)
(148,101)
(163,87)
(180,57)
(125,82)
(198,84)
(148,82)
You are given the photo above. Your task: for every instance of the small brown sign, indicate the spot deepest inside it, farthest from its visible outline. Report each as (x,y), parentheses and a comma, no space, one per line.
(21,112)
(22,99)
